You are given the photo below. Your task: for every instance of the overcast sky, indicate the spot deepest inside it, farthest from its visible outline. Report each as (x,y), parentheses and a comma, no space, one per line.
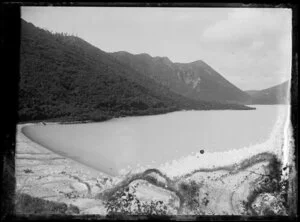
(250,47)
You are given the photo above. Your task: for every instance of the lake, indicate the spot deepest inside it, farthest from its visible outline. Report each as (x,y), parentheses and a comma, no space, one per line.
(131,142)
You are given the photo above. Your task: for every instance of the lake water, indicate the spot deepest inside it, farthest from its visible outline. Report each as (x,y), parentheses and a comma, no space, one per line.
(151,140)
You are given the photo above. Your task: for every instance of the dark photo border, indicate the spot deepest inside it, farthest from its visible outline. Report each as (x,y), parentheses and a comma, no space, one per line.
(10,50)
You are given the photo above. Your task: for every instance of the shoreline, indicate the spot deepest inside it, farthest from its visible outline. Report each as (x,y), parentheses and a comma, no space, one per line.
(188,165)
(274,144)
(58,121)
(47,175)
(193,161)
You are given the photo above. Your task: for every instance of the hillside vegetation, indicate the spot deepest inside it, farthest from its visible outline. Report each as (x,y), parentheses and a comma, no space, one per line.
(65,78)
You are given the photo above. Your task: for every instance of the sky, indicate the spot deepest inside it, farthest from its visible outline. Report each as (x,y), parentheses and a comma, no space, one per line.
(250,47)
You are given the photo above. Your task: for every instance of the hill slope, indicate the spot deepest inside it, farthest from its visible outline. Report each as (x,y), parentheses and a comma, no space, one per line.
(63,77)
(195,80)
(274,95)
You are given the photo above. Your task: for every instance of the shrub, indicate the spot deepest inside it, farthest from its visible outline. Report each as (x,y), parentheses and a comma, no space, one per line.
(125,202)
(271,185)
(190,191)
(28,171)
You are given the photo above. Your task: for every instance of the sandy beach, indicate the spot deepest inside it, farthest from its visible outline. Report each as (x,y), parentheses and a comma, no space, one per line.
(44,174)
(225,181)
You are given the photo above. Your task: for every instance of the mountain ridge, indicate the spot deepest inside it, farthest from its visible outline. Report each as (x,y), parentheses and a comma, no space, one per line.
(185,78)
(65,77)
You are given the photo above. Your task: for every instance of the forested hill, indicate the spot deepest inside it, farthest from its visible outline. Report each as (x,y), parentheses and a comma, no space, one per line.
(65,78)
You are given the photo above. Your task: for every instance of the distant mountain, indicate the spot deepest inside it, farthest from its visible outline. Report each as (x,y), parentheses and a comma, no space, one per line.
(274,95)
(66,78)
(195,80)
